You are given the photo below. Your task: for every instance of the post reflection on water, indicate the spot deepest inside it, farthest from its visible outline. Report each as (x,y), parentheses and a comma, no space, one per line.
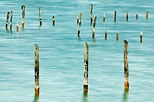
(125,96)
(85,97)
(36,98)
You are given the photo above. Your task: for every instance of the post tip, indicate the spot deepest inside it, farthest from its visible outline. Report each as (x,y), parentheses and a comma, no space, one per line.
(125,41)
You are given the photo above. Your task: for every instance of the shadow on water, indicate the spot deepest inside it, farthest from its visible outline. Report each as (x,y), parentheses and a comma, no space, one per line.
(85,97)
(36,98)
(125,96)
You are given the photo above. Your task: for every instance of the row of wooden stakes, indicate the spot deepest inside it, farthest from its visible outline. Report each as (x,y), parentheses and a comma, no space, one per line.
(10,14)
(86,65)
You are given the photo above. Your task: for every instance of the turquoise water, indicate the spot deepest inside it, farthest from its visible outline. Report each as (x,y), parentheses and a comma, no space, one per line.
(61,51)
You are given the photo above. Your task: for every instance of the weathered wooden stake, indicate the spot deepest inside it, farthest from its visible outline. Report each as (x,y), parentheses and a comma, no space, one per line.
(105,35)
(141,37)
(17,27)
(85,84)
(127,16)
(93,32)
(91,19)
(23,15)
(80,18)
(126,72)
(53,20)
(147,15)
(37,87)
(136,16)
(95,17)
(11,14)
(91,8)
(77,19)
(104,17)
(115,16)
(40,18)
(7,19)
(117,36)
(78,30)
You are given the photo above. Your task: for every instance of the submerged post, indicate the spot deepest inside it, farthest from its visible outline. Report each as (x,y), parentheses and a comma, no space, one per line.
(37,87)
(141,37)
(53,20)
(17,27)
(78,30)
(104,17)
(7,19)
(85,84)
(105,35)
(91,19)
(117,36)
(11,14)
(136,16)
(126,72)
(77,19)
(115,16)
(23,15)
(126,16)
(93,32)
(147,15)
(40,18)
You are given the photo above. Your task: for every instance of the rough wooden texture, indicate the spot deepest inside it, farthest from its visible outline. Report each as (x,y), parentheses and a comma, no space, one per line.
(93,32)
(85,84)
(126,72)
(136,16)
(126,16)
(91,19)
(36,68)
(115,16)
(117,36)
(147,15)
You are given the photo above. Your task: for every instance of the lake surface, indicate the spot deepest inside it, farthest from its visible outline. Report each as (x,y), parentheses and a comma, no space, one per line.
(62,52)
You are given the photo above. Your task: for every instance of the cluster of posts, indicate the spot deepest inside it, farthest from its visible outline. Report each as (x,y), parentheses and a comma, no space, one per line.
(10,14)
(86,48)
(93,25)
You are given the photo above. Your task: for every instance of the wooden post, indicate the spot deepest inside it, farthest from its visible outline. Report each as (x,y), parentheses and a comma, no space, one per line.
(7,19)
(126,72)
(91,8)
(85,84)
(117,36)
(23,15)
(136,16)
(91,19)
(40,18)
(80,18)
(115,16)
(11,14)
(141,37)
(127,16)
(95,17)
(53,20)
(77,19)
(147,15)
(78,30)
(37,87)
(104,17)
(17,27)
(105,35)
(93,32)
